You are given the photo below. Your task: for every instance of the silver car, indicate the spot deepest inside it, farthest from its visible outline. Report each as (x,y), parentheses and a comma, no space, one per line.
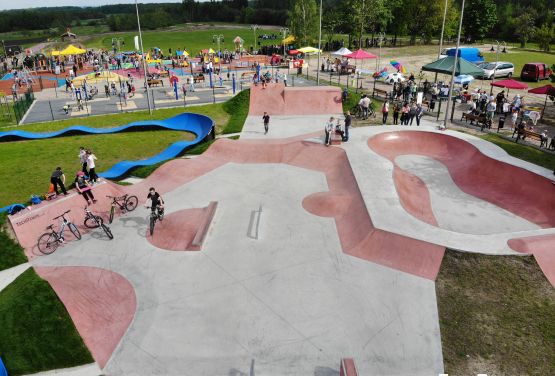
(499,69)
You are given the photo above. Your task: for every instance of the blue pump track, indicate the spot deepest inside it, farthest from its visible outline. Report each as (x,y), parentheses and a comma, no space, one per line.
(200,125)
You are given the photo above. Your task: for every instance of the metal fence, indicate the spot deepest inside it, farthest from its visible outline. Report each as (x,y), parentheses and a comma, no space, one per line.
(22,104)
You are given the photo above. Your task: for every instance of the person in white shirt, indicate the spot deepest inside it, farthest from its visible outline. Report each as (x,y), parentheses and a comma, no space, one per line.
(91,164)
(364,105)
(328,131)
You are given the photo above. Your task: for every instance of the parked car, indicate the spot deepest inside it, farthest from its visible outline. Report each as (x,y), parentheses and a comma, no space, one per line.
(500,69)
(471,54)
(535,72)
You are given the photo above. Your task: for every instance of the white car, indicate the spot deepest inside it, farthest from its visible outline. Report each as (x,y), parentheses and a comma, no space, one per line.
(500,69)
(394,77)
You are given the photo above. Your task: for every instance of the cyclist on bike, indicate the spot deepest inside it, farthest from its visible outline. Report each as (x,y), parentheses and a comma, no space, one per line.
(364,105)
(156,201)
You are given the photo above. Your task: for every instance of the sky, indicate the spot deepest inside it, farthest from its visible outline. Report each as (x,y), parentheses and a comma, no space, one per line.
(22,4)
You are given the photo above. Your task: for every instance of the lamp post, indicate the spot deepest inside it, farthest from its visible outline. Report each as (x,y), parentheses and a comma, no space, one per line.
(143,57)
(254,28)
(495,68)
(442,31)
(319,49)
(219,38)
(284,31)
(454,66)
(381,37)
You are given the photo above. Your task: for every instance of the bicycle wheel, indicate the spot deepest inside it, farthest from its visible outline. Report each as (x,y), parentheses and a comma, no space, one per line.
(152,222)
(48,243)
(131,203)
(91,222)
(107,231)
(112,210)
(74,230)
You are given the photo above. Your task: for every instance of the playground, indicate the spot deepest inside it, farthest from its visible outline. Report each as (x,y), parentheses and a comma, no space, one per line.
(280,255)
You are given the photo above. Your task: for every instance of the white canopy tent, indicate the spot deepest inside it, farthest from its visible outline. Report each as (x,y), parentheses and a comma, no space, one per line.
(342,52)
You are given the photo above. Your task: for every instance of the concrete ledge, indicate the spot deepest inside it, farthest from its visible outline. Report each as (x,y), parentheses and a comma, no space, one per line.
(198,240)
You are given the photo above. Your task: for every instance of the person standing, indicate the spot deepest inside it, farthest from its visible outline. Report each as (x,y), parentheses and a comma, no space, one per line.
(266,119)
(419,113)
(191,83)
(328,131)
(490,111)
(83,159)
(412,112)
(58,179)
(396,110)
(348,120)
(405,114)
(91,164)
(285,79)
(83,186)
(385,111)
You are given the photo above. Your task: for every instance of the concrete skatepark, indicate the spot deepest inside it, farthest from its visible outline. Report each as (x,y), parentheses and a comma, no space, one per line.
(310,254)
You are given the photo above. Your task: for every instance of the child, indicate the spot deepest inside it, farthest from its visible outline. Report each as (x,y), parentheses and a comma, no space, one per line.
(83,186)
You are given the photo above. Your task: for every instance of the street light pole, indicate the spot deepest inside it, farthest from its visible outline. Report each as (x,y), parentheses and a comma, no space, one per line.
(254,27)
(495,68)
(381,37)
(454,66)
(441,37)
(143,57)
(319,48)
(284,32)
(219,38)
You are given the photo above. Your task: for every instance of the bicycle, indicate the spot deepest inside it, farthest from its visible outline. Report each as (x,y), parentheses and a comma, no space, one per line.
(155,215)
(357,112)
(125,203)
(95,221)
(49,241)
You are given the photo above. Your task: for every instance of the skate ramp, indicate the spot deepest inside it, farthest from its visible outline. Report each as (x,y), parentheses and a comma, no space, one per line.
(277,99)
(511,188)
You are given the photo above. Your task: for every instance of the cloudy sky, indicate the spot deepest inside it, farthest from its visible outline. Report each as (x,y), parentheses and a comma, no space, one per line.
(22,4)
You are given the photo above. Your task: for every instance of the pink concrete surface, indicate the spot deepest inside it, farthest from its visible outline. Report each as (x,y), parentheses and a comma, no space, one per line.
(356,232)
(276,99)
(348,367)
(512,188)
(101,303)
(543,249)
(29,225)
(177,231)
(414,195)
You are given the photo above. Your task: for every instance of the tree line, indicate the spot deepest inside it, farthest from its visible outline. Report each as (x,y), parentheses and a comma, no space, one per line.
(505,20)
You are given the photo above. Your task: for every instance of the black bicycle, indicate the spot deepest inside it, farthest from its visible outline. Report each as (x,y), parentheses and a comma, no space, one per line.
(49,241)
(125,203)
(155,215)
(95,221)
(358,113)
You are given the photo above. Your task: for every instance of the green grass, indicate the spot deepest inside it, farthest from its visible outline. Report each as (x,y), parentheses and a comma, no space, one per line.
(527,153)
(191,40)
(520,57)
(238,108)
(37,333)
(11,253)
(497,315)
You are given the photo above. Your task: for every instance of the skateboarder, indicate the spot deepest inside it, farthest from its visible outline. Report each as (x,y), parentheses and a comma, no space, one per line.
(266,119)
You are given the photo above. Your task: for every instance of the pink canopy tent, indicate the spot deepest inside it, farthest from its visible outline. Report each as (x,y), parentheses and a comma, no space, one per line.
(547,90)
(510,84)
(360,55)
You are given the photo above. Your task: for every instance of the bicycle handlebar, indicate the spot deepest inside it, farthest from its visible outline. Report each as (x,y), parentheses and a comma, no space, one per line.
(61,215)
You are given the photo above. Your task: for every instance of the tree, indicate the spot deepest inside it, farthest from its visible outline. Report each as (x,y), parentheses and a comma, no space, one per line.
(544,37)
(303,20)
(425,19)
(480,16)
(367,15)
(524,27)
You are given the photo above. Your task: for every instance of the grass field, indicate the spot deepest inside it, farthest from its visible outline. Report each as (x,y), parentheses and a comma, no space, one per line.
(192,41)
(11,254)
(497,315)
(37,333)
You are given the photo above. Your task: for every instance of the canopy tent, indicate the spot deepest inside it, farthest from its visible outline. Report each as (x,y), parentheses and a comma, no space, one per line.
(445,66)
(293,52)
(72,50)
(463,79)
(360,55)
(309,50)
(238,40)
(182,53)
(105,76)
(342,52)
(208,51)
(289,40)
(510,84)
(400,67)
(547,90)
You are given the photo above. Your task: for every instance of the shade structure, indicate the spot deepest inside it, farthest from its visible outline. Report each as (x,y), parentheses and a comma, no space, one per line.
(361,55)
(289,40)
(342,52)
(445,66)
(463,79)
(546,90)
(293,52)
(510,84)
(309,50)
(400,68)
(238,40)
(72,50)
(104,77)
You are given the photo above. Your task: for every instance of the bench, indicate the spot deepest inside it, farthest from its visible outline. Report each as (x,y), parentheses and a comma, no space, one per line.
(479,119)
(524,133)
(164,74)
(378,92)
(197,79)
(348,69)
(155,82)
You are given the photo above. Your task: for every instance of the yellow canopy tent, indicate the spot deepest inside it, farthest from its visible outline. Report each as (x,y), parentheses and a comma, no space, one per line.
(55,53)
(71,50)
(289,40)
(308,50)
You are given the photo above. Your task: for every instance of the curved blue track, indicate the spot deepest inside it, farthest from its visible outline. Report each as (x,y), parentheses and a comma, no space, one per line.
(200,125)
